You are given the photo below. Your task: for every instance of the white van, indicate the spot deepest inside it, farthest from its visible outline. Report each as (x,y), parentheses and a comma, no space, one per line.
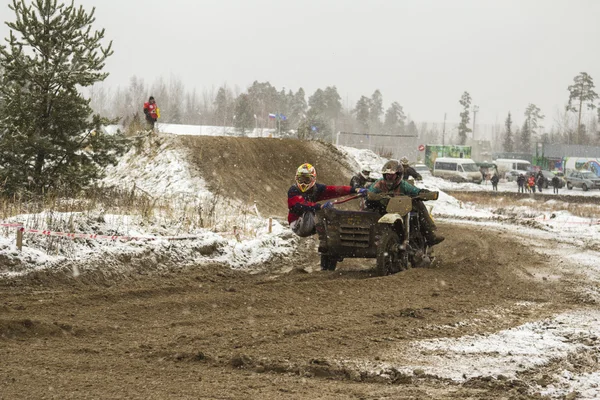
(457,169)
(505,165)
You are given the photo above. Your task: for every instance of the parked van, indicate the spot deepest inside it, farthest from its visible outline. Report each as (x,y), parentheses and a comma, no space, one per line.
(457,169)
(505,165)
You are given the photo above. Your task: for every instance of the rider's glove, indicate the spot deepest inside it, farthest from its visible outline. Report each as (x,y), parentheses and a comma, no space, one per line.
(361,191)
(326,205)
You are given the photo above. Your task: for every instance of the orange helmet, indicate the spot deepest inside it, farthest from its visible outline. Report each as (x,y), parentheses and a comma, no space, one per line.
(306,177)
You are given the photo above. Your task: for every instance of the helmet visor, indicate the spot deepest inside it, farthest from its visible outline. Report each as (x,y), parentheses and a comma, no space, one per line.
(304,179)
(305,182)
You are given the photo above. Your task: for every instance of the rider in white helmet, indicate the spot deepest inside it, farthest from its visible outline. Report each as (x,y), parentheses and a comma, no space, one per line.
(363,178)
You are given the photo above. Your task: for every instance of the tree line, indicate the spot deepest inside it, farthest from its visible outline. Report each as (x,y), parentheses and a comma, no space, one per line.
(568,127)
(318,115)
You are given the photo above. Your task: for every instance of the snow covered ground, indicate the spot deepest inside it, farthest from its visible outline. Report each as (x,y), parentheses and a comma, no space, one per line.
(164,175)
(199,130)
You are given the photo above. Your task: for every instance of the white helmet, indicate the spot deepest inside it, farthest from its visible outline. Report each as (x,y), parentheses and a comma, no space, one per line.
(365,172)
(404,160)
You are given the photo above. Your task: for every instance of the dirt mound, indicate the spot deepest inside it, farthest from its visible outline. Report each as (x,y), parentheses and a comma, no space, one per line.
(261,170)
(26,328)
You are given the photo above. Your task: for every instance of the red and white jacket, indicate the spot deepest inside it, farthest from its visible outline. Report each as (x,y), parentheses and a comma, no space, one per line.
(151,107)
(299,203)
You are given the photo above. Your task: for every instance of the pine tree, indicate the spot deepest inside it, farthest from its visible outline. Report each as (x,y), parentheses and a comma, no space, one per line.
(362,111)
(375,110)
(333,104)
(532,114)
(508,144)
(394,119)
(317,103)
(411,129)
(526,137)
(49,138)
(463,127)
(223,106)
(582,91)
(298,108)
(243,119)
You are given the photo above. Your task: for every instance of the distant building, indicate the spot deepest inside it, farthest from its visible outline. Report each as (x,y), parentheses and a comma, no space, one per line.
(433,151)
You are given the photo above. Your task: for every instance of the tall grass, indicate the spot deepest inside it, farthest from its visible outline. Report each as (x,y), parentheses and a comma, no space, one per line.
(184,213)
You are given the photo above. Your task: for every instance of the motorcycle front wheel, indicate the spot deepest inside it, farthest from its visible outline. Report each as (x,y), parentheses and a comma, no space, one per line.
(389,259)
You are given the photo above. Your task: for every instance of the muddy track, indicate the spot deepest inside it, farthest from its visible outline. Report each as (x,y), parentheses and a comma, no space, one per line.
(289,332)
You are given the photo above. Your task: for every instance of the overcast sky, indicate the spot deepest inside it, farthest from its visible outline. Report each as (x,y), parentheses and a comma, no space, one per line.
(421,53)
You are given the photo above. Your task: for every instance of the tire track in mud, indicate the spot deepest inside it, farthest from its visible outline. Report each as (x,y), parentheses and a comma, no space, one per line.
(303,330)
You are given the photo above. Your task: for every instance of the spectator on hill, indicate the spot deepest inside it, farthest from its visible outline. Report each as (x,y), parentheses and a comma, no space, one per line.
(555,184)
(494,181)
(151,112)
(303,197)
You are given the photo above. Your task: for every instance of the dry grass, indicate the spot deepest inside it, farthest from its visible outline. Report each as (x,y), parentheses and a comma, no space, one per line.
(186,213)
(584,210)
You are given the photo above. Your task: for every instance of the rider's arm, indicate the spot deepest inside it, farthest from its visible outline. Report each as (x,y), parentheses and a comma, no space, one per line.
(374,188)
(331,192)
(298,204)
(409,189)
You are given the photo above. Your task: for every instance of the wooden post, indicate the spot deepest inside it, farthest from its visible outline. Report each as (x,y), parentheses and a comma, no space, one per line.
(20,238)
(270,224)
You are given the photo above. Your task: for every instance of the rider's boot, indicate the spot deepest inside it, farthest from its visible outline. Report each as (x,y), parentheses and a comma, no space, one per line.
(428,226)
(433,239)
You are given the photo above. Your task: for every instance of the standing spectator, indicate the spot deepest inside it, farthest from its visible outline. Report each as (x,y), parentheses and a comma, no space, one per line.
(521,183)
(555,184)
(541,181)
(494,181)
(531,182)
(151,112)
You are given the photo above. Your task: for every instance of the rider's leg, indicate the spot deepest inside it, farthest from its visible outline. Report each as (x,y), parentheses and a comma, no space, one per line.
(428,227)
(305,225)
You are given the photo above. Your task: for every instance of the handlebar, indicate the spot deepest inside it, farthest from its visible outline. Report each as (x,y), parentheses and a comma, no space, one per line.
(421,196)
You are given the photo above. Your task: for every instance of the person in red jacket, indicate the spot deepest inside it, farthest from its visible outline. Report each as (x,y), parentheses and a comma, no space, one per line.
(303,197)
(150,110)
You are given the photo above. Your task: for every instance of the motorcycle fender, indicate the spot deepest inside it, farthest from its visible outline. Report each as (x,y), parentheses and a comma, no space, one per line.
(389,218)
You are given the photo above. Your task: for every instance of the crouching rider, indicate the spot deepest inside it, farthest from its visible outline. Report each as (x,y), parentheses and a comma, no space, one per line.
(303,197)
(392,184)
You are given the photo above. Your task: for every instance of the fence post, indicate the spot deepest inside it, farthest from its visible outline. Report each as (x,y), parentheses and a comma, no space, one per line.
(20,238)
(270,224)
